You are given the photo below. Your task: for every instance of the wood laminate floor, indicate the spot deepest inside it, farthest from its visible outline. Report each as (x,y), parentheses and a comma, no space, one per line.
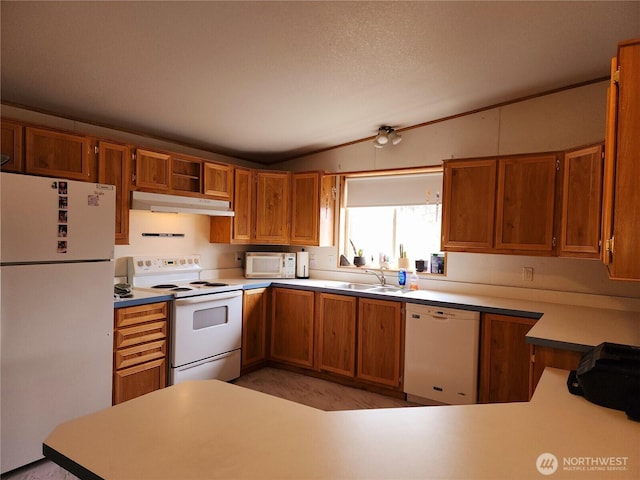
(280,383)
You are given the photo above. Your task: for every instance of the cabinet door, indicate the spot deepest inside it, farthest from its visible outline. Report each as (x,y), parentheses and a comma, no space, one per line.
(236,229)
(59,154)
(272,208)
(581,203)
(242,205)
(336,333)
(292,326)
(505,359)
(623,202)
(312,209)
(218,180)
(254,325)
(153,171)
(305,208)
(138,380)
(114,168)
(525,204)
(468,205)
(11,146)
(380,342)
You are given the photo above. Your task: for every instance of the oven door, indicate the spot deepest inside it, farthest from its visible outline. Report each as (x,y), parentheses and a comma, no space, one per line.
(206,326)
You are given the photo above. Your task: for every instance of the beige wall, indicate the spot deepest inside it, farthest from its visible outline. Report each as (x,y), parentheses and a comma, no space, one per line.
(554,122)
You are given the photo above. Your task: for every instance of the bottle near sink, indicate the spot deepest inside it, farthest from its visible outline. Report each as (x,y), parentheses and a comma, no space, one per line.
(402,277)
(413,281)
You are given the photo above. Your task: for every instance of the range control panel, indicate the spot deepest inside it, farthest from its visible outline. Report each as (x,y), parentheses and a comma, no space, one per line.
(158,265)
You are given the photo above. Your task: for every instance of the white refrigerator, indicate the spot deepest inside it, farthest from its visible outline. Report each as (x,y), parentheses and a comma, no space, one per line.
(56,284)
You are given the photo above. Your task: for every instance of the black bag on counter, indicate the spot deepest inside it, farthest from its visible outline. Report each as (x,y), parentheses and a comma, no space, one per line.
(609,375)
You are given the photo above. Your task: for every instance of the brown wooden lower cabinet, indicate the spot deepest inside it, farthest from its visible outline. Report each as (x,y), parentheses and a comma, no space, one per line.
(505,359)
(292,329)
(336,333)
(254,326)
(355,340)
(551,357)
(380,342)
(140,350)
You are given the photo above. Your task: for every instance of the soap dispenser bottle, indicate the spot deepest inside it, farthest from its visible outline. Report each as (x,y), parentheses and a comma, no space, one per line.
(413,281)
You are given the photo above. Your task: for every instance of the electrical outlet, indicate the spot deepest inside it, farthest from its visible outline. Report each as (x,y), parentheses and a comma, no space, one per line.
(527,274)
(331,260)
(238,259)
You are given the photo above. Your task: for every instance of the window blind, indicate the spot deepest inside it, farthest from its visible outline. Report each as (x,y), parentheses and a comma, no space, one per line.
(391,190)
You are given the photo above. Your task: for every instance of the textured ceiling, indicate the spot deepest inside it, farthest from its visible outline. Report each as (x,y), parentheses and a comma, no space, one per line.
(267,81)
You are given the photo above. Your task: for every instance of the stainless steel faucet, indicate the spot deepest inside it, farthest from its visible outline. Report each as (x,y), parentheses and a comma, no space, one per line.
(380,277)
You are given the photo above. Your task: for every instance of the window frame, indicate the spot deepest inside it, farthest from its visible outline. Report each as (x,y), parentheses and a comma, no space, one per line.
(342,241)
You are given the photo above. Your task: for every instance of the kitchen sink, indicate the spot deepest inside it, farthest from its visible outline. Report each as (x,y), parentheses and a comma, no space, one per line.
(385,289)
(367,287)
(354,286)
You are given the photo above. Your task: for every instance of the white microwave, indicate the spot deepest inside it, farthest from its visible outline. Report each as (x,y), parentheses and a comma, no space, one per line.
(269,265)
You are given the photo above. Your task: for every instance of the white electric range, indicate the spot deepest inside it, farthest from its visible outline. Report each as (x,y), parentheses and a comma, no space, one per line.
(206,323)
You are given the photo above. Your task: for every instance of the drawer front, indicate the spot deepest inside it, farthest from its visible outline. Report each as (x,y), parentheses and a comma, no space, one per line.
(128,357)
(147,332)
(138,380)
(141,314)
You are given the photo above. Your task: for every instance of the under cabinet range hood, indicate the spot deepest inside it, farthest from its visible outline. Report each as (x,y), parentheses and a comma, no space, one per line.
(157,202)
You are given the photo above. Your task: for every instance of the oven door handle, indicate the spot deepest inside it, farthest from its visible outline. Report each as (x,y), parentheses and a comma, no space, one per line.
(209,297)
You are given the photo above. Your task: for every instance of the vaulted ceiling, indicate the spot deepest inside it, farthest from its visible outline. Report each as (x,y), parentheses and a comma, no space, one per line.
(267,81)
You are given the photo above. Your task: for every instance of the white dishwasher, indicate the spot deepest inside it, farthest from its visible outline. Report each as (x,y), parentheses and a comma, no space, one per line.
(441,355)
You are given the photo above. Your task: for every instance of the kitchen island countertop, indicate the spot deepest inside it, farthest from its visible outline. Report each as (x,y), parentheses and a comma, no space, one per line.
(210,429)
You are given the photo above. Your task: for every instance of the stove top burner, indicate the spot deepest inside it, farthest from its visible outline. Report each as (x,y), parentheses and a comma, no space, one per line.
(165,286)
(204,283)
(181,289)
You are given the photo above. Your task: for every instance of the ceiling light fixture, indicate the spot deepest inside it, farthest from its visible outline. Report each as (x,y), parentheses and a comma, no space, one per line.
(386,135)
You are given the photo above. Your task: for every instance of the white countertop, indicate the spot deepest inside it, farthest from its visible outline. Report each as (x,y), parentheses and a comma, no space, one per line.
(210,429)
(570,327)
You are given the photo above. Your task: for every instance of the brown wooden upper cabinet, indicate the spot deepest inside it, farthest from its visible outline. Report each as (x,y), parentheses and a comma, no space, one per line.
(59,154)
(152,171)
(271,215)
(11,146)
(312,209)
(621,205)
(239,228)
(469,197)
(500,205)
(114,168)
(217,180)
(261,210)
(525,204)
(280,208)
(581,231)
(236,229)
